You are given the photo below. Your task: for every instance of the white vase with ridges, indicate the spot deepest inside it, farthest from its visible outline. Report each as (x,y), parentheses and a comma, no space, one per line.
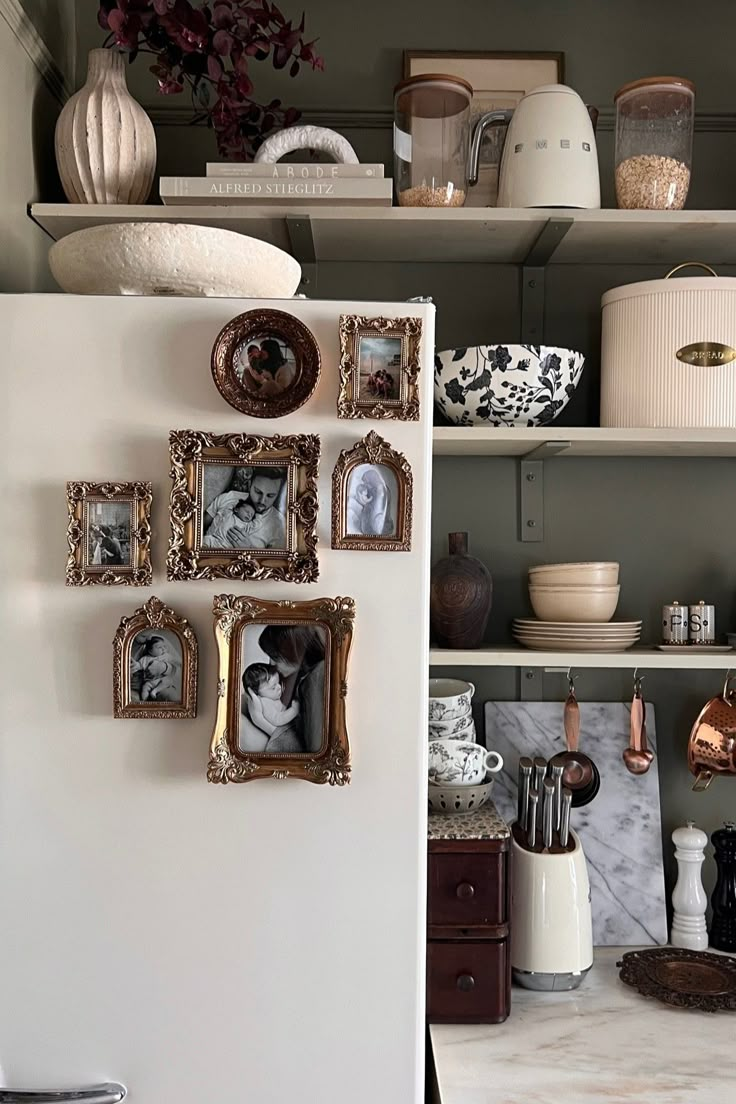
(105,142)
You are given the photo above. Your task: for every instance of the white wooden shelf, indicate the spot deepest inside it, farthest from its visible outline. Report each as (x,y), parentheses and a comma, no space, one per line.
(391,234)
(692,659)
(576,441)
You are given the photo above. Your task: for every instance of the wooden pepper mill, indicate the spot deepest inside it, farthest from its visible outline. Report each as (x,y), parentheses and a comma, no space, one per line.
(688,897)
(460,597)
(723,924)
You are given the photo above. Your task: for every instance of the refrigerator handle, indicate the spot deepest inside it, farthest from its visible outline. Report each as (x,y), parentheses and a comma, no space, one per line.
(109,1093)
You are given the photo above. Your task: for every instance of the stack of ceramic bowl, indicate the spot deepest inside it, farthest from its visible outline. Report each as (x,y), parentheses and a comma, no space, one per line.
(459,768)
(574,604)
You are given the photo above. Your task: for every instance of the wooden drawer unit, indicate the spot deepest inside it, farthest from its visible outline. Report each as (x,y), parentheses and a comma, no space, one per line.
(466,981)
(468,886)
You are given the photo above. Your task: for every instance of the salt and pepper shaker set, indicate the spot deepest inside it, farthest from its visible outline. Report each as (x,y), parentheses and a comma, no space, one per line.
(689,901)
(688,624)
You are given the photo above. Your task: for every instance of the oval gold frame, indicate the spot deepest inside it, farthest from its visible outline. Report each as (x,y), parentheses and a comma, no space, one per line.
(289,329)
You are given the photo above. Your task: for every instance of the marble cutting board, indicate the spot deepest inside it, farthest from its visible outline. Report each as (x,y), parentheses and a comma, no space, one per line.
(620,830)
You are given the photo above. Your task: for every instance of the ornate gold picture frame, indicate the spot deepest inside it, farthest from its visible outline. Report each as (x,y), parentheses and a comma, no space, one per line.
(372,498)
(154,665)
(281,690)
(379,367)
(243,506)
(265,363)
(109,534)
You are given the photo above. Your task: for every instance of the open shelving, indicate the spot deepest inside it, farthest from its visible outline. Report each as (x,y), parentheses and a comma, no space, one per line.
(581,441)
(691,659)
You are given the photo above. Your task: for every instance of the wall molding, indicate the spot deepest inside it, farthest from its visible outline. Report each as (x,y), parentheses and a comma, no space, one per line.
(24,29)
(174,114)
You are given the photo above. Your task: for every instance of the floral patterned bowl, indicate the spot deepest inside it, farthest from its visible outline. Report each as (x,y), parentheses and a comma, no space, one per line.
(497,385)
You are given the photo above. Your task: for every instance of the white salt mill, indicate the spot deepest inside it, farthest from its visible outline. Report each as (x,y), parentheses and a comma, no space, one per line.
(688,897)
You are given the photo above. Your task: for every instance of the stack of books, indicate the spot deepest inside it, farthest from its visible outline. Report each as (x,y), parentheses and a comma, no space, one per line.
(231,184)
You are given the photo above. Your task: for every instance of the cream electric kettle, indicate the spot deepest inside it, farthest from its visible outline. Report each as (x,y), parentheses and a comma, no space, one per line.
(549,158)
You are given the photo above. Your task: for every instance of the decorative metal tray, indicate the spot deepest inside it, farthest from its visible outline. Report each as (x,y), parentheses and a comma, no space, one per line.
(686,979)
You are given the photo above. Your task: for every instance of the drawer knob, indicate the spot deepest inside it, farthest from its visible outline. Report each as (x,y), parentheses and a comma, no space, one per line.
(465,983)
(465,891)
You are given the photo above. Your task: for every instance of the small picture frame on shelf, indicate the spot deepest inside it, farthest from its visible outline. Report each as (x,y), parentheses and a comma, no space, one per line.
(265,363)
(282,689)
(379,368)
(109,534)
(154,665)
(372,498)
(243,506)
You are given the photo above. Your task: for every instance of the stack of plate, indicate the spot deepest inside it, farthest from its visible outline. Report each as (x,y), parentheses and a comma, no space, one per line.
(576,636)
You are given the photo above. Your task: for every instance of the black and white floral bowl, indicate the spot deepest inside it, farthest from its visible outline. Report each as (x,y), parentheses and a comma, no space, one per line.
(497,385)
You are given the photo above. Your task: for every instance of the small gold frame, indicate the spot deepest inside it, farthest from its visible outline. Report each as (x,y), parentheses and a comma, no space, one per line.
(350,404)
(154,614)
(190,451)
(227,763)
(80,571)
(372,450)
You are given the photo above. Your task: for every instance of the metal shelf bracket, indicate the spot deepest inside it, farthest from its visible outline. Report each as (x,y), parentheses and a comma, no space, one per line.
(301,239)
(533,279)
(531,490)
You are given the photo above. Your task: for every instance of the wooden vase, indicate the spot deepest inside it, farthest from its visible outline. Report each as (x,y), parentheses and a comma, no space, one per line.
(460,597)
(105,142)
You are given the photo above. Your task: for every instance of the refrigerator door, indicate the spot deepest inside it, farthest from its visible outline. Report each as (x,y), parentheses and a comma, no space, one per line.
(198,942)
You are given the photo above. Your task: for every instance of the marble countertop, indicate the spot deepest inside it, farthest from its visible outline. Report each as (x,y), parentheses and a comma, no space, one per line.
(603,1042)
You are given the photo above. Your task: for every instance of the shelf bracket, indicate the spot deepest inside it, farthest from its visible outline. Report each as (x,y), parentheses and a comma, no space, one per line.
(531,500)
(301,240)
(533,278)
(531,684)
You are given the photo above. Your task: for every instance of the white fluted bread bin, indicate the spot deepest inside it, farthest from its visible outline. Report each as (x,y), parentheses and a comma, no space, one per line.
(668,354)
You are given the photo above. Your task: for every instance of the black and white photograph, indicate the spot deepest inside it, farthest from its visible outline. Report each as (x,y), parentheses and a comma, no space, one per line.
(282,698)
(244,507)
(372,500)
(380,368)
(156,667)
(265,365)
(108,534)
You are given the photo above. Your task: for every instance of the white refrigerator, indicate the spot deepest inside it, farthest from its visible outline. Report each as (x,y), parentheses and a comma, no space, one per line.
(198,943)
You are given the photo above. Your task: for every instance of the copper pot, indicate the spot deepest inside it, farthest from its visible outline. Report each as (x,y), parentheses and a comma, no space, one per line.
(711,748)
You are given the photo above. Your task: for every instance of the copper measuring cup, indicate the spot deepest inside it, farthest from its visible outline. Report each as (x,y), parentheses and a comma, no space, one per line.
(711,748)
(580,775)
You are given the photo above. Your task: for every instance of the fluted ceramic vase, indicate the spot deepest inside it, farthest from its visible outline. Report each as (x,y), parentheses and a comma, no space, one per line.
(460,597)
(105,142)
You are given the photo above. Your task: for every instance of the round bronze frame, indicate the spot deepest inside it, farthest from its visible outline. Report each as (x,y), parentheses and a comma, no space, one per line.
(258,323)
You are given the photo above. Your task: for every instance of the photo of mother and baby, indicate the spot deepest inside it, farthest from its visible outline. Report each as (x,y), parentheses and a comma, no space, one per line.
(283,689)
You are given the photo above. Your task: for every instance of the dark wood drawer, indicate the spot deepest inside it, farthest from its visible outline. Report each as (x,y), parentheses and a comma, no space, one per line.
(468,982)
(467,890)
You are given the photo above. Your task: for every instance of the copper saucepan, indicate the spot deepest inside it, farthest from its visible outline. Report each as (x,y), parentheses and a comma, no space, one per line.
(711,748)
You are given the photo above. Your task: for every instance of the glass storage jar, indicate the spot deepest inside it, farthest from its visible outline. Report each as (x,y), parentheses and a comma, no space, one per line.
(431,138)
(654,142)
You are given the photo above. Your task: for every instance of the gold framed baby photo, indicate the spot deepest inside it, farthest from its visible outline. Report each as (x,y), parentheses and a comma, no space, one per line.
(154,665)
(109,534)
(265,363)
(282,687)
(243,506)
(372,498)
(379,368)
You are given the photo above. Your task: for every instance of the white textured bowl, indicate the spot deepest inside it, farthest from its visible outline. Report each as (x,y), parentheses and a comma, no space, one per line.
(458,799)
(171,258)
(574,603)
(597,573)
(496,385)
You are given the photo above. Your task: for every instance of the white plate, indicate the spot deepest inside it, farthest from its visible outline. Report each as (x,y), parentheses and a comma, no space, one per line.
(694,648)
(606,626)
(583,636)
(583,632)
(575,645)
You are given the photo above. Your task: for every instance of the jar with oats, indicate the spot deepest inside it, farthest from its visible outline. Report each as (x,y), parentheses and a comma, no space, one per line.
(654,143)
(431,138)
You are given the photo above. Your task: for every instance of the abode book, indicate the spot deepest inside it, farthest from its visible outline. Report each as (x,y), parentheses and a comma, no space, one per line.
(229,192)
(302,171)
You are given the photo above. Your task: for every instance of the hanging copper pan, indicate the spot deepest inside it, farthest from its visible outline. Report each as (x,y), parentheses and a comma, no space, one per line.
(711,748)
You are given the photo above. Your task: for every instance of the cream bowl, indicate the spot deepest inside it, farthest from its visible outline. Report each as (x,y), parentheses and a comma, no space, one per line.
(569,603)
(595,573)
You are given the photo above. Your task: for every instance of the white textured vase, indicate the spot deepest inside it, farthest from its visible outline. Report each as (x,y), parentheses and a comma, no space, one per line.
(105,142)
